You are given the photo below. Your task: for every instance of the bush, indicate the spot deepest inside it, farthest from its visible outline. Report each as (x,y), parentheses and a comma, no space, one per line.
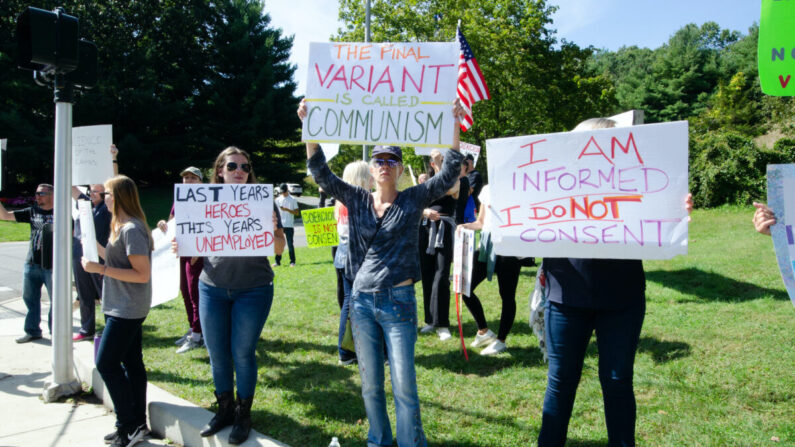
(727,168)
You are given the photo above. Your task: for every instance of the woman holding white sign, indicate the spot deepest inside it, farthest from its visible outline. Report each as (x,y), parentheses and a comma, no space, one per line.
(383,264)
(235,296)
(606,296)
(126,299)
(486,264)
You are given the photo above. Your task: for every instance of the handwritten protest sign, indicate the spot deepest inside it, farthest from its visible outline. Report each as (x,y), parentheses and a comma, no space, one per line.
(165,266)
(381,93)
(320,227)
(223,219)
(463,253)
(88,237)
(608,193)
(776,47)
(466,148)
(781,199)
(91,159)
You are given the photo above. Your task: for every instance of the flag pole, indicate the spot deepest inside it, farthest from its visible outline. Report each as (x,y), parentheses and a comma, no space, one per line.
(366,148)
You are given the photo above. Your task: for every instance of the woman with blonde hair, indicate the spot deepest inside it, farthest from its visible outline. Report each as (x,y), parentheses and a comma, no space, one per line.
(383,264)
(357,174)
(126,299)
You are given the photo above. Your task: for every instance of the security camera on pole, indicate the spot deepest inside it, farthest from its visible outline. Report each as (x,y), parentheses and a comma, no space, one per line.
(49,45)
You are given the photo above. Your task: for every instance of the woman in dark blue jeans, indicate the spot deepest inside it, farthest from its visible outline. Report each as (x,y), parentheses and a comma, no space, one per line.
(235,296)
(607,296)
(126,299)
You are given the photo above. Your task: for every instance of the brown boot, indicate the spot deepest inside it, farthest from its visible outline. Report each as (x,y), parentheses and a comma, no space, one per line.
(224,417)
(242,425)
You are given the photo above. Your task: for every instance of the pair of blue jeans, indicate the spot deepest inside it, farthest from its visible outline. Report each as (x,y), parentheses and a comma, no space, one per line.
(120,363)
(34,277)
(568,331)
(388,317)
(232,321)
(344,314)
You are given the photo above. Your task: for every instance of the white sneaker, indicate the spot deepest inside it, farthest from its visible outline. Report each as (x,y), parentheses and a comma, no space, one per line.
(190,344)
(483,340)
(427,328)
(495,348)
(444,333)
(181,341)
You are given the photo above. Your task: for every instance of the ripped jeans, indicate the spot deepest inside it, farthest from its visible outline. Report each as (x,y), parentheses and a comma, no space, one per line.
(390,317)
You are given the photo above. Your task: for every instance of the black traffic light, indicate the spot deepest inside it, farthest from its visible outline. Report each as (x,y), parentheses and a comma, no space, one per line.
(48,42)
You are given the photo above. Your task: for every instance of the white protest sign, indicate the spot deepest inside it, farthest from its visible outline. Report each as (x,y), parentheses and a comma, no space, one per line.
(608,193)
(88,237)
(381,93)
(467,148)
(628,118)
(91,159)
(2,155)
(781,199)
(165,266)
(224,219)
(463,256)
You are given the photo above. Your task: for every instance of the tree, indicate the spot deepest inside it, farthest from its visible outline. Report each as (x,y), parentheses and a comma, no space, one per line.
(535,87)
(179,81)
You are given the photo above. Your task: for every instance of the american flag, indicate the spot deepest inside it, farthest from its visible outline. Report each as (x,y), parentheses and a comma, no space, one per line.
(471,83)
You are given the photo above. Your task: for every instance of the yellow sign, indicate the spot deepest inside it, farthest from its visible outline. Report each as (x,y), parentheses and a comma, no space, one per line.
(320,227)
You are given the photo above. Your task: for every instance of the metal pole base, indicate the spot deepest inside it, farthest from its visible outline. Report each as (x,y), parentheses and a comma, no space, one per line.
(54,391)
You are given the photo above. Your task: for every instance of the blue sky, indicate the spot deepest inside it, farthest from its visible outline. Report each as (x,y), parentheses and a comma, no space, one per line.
(607,24)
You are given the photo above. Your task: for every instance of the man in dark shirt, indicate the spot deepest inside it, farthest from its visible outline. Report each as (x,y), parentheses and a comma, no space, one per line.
(89,285)
(38,265)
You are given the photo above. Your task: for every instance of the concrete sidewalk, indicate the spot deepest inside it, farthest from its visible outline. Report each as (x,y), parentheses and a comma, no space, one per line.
(83,420)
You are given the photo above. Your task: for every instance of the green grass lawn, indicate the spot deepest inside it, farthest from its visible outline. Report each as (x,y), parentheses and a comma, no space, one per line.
(714,366)
(12,231)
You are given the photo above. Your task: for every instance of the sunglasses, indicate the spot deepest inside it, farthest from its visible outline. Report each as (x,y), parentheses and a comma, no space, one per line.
(42,193)
(379,162)
(232,166)
(105,194)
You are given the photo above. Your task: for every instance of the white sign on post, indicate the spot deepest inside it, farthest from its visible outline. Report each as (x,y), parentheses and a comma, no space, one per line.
(2,155)
(88,237)
(91,158)
(463,256)
(165,266)
(608,193)
(381,93)
(224,219)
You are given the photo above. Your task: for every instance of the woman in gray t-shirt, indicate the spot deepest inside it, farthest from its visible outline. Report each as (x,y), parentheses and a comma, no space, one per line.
(126,298)
(235,296)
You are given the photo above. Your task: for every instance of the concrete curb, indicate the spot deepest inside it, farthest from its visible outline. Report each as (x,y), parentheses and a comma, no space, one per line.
(169,416)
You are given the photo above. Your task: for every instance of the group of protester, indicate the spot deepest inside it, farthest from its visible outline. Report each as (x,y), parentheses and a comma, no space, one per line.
(389,240)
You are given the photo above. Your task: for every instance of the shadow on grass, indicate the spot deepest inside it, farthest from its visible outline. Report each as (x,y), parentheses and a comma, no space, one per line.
(708,286)
(663,351)
(585,443)
(455,362)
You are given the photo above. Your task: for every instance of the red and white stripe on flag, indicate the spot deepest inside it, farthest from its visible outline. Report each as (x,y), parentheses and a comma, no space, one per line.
(471,83)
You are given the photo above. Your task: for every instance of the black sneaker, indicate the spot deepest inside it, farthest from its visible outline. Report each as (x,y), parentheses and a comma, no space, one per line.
(129,439)
(110,437)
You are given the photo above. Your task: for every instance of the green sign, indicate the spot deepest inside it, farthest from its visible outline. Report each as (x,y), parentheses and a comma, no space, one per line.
(320,227)
(776,49)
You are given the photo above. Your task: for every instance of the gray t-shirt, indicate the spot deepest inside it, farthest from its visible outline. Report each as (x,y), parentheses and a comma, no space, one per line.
(239,272)
(383,252)
(123,299)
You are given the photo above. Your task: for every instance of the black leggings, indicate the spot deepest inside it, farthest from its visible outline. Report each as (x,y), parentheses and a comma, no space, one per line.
(435,270)
(507,271)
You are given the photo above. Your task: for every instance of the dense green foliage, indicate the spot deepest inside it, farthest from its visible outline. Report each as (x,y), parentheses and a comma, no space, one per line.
(179,81)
